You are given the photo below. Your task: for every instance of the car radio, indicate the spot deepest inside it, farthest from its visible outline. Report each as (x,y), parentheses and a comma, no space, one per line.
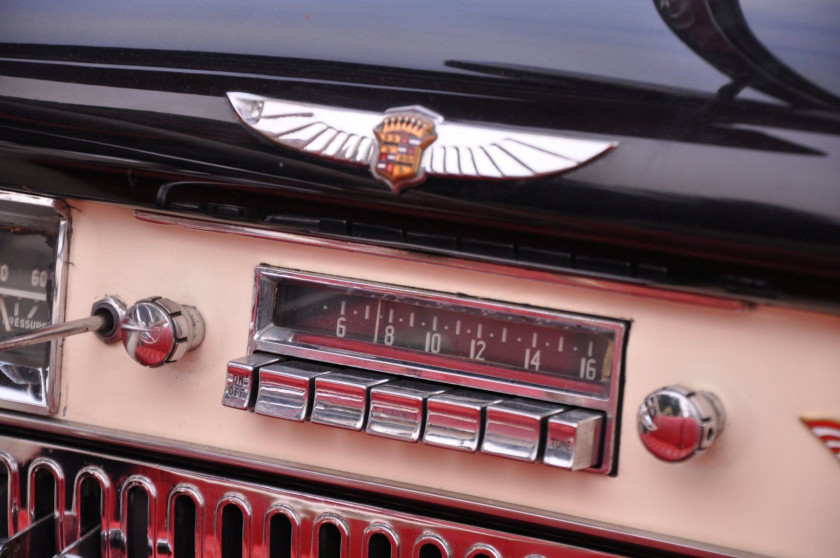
(455,372)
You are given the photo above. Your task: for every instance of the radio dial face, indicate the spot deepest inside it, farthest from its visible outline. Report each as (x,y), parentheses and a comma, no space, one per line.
(447,333)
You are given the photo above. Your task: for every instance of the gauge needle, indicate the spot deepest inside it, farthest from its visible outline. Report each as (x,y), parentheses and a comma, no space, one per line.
(5,314)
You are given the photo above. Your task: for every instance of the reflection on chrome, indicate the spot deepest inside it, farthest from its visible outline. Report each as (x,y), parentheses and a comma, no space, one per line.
(144,509)
(676,423)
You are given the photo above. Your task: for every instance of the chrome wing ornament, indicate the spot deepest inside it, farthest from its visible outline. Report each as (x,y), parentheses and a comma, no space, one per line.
(405,144)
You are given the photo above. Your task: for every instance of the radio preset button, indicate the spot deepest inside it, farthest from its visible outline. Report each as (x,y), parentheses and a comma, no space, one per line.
(455,419)
(573,439)
(514,428)
(241,377)
(341,398)
(397,409)
(286,389)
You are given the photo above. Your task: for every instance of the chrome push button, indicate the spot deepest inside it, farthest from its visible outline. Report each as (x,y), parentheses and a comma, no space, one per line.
(573,439)
(341,398)
(411,410)
(397,409)
(241,379)
(455,420)
(287,389)
(515,428)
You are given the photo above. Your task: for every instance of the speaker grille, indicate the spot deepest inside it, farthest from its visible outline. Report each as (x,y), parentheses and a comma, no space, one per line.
(143,510)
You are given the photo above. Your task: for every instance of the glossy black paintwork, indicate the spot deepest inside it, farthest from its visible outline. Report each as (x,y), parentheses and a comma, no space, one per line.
(718,32)
(717,184)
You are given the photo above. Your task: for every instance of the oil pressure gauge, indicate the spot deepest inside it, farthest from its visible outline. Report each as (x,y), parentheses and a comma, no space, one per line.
(33,240)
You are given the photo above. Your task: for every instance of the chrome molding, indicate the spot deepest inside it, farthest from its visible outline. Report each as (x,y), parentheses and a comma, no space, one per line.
(539,518)
(316,525)
(194,494)
(106,489)
(13,502)
(51,385)
(448,259)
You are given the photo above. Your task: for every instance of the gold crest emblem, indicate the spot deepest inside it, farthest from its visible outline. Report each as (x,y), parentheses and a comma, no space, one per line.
(402,139)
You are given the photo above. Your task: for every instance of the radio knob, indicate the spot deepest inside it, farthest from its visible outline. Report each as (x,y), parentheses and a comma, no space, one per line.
(157,331)
(677,423)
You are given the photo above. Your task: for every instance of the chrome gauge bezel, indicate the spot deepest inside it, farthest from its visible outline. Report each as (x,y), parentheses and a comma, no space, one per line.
(265,336)
(48,403)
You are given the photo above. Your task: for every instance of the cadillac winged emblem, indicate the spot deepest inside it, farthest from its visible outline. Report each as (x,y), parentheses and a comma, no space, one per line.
(405,144)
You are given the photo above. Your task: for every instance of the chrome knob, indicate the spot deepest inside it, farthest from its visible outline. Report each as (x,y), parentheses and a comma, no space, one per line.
(676,423)
(157,331)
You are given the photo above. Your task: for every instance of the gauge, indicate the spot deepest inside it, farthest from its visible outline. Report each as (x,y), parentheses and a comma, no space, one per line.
(32,244)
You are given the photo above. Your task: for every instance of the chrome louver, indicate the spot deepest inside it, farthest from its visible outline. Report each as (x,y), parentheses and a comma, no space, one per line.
(63,502)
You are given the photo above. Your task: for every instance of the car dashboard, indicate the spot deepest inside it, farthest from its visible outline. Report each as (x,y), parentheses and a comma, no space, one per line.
(499,291)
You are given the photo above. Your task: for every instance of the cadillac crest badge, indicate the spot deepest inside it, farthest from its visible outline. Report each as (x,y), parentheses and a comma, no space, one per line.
(402,138)
(404,145)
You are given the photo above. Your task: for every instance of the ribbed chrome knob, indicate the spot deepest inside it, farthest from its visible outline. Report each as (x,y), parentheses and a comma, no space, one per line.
(157,331)
(677,423)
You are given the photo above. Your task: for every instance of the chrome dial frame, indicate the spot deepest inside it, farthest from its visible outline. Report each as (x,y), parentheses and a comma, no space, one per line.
(50,385)
(267,337)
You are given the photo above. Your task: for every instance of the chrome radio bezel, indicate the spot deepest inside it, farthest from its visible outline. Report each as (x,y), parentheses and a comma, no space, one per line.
(265,336)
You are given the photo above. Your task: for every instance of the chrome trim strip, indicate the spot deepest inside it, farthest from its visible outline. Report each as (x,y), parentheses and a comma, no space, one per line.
(13,501)
(145,484)
(434,540)
(294,521)
(59,505)
(336,521)
(446,259)
(483,549)
(385,531)
(240,502)
(429,496)
(193,493)
(350,520)
(51,388)
(106,505)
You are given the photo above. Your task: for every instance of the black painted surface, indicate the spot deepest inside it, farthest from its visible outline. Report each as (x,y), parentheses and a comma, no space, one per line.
(716,183)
